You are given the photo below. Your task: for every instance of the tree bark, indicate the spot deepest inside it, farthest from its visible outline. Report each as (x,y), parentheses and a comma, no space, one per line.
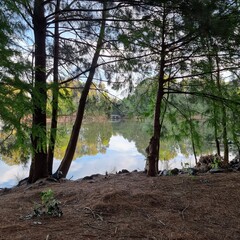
(216,131)
(68,157)
(224,115)
(154,144)
(214,104)
(218,146)
(55,89)
(39,97)
(192,139)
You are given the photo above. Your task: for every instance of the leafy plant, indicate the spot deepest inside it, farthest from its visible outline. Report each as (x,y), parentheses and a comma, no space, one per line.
(216,163)
(187,169)
(49,205)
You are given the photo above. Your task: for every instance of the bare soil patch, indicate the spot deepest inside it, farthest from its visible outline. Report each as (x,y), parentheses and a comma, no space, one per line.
(128,206)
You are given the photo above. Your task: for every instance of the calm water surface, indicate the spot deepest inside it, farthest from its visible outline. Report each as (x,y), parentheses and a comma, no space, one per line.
(104,147)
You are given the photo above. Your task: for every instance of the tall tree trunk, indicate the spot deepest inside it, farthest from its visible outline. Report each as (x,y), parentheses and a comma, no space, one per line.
(55,89)
(224,115)
(193,147)
(210,60)
(216,131)
(39,97)
(68,157)
(154,144)
(192,138)
(225,137)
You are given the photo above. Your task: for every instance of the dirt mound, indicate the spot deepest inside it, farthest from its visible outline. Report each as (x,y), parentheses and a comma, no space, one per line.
(128,206)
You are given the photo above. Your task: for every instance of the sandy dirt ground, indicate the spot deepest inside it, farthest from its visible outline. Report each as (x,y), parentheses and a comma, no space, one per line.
(127,206)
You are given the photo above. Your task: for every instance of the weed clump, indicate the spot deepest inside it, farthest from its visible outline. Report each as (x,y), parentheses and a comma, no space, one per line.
(49,205)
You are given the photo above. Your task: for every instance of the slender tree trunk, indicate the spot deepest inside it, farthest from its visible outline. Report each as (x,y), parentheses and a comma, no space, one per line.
(192,140)
(238,147)
(216,131)
(234,130)
(39,97)
(66,162)
(214,104)
(217,142)
(224,115)
(225,136)
(218,146)
(154,144)
(55,89)
(194,150)
(189,119)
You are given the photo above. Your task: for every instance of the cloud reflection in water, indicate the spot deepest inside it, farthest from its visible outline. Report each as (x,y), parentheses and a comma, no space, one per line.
(120,154)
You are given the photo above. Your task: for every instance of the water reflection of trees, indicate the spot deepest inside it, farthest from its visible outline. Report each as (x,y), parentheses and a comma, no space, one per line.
(133,131)
(137,132)
(93,139)
(95,136)
(10,152)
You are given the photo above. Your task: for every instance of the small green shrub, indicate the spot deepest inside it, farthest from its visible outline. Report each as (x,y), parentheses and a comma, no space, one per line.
(216,163)
(49,205)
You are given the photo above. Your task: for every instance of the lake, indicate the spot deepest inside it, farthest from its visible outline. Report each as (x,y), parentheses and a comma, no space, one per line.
(105,147)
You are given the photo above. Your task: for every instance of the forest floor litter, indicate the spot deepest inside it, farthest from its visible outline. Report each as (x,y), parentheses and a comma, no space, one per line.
(127,206)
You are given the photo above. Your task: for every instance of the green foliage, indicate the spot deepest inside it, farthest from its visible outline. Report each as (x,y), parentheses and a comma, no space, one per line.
(67,102)
(14,90)
(49,205)
(141,102)
(216,163)
(124,39)
(98,102)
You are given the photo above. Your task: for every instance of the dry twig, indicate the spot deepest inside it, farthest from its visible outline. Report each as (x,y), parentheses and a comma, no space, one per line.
(182,212)
(95,215)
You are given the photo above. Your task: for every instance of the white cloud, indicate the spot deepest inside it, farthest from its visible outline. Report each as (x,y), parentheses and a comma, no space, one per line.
(119,143)
(10,175)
